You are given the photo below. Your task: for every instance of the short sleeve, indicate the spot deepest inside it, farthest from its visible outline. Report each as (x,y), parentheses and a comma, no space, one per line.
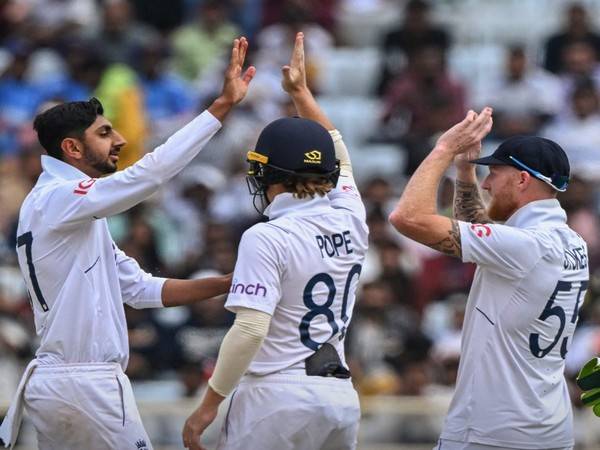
(506,250)
(258,270)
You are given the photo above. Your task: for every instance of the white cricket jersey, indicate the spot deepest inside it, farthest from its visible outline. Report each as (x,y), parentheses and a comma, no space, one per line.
(76,276)
(302,267)
(531,278)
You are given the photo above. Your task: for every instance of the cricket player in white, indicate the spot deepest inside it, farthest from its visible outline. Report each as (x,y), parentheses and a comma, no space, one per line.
(293,292)
(75,391)
(531,278)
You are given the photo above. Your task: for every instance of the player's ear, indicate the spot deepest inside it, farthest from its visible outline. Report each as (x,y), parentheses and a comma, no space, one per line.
(72,148)
(525,180)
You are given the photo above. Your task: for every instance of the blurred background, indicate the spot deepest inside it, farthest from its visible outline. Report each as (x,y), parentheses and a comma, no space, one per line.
(392,75)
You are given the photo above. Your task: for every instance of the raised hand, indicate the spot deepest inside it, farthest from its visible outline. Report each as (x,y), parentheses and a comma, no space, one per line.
(465,137)
(294,74)
(236,82)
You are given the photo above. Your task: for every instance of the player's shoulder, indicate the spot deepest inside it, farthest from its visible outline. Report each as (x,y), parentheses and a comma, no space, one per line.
(266,233)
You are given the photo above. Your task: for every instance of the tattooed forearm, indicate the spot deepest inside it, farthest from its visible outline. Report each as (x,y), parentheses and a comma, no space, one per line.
(450,245)
(468,205)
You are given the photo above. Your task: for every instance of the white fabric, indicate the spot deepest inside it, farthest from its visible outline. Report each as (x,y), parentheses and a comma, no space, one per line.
(9,429)
(341,153)
(324,237)
(84,406)
(77,278)
(508,393)
(238,349)
(444,444)
(291,412)
(83,277)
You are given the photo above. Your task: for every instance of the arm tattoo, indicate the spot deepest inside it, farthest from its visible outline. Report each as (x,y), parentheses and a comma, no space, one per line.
(468,205)
(450,245)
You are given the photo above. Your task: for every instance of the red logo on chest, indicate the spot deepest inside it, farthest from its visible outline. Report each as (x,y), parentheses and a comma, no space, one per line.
(84,186)
(481,230)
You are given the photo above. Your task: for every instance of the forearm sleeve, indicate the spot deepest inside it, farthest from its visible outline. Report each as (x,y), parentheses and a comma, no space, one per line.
(240,345)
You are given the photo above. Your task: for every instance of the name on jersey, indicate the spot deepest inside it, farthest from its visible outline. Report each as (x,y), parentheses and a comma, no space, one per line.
(248,288)
(331,245)
(575,259)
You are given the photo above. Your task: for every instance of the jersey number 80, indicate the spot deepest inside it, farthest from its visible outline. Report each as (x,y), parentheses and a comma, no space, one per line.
(325,308)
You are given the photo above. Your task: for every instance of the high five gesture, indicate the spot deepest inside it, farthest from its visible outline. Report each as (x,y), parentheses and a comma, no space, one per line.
(236,81)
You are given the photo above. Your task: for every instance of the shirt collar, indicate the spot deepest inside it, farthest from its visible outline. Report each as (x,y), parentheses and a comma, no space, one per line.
(285,204)
(55,168)
(546,211)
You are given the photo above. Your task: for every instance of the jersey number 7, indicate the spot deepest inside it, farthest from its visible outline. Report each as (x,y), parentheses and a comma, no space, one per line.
(324,309)
(26,239)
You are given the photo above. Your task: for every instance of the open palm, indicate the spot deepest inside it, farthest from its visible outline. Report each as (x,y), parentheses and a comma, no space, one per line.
(294,74)
(236,82)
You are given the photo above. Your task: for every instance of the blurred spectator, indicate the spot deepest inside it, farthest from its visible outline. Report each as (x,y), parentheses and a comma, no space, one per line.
(524,98)
(189,203)
(577,29)
(582,214)
(19,98)
(200,44)
(197,341)
(141,243)
(396,272)
(322,11)
(57,20)
(120,93)
(402,44)
(275,41)
(144,338)
(579,133)
(580,64)
(160,15)
(120,33)
(169,101)
(376,339)
(423,100)
(83,68)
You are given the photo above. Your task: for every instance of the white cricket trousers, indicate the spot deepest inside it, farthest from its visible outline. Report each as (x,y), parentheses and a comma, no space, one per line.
(291,412)
(445,444)
(84,406)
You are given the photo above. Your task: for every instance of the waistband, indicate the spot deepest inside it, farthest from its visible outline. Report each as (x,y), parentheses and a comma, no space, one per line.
(287,378)
(99,368)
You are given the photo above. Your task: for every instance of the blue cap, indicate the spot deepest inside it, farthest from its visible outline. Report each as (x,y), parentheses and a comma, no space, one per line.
(540,157)
(297,145)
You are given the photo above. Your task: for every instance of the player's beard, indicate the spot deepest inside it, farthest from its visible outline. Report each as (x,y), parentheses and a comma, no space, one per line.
(502,206)
(102,164)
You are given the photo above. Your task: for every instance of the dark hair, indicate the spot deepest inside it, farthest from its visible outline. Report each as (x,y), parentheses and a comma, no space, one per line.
(65,120)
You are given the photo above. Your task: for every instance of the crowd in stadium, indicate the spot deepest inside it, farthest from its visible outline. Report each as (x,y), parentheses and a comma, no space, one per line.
(155,67)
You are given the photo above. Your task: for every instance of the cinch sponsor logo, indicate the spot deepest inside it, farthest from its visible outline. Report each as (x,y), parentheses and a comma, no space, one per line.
(312,157)
(250,289)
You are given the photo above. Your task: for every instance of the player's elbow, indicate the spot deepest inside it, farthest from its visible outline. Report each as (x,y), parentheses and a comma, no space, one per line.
(400,221)
(406,224)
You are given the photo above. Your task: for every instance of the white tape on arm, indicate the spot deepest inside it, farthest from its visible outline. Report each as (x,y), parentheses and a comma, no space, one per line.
(341,152)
